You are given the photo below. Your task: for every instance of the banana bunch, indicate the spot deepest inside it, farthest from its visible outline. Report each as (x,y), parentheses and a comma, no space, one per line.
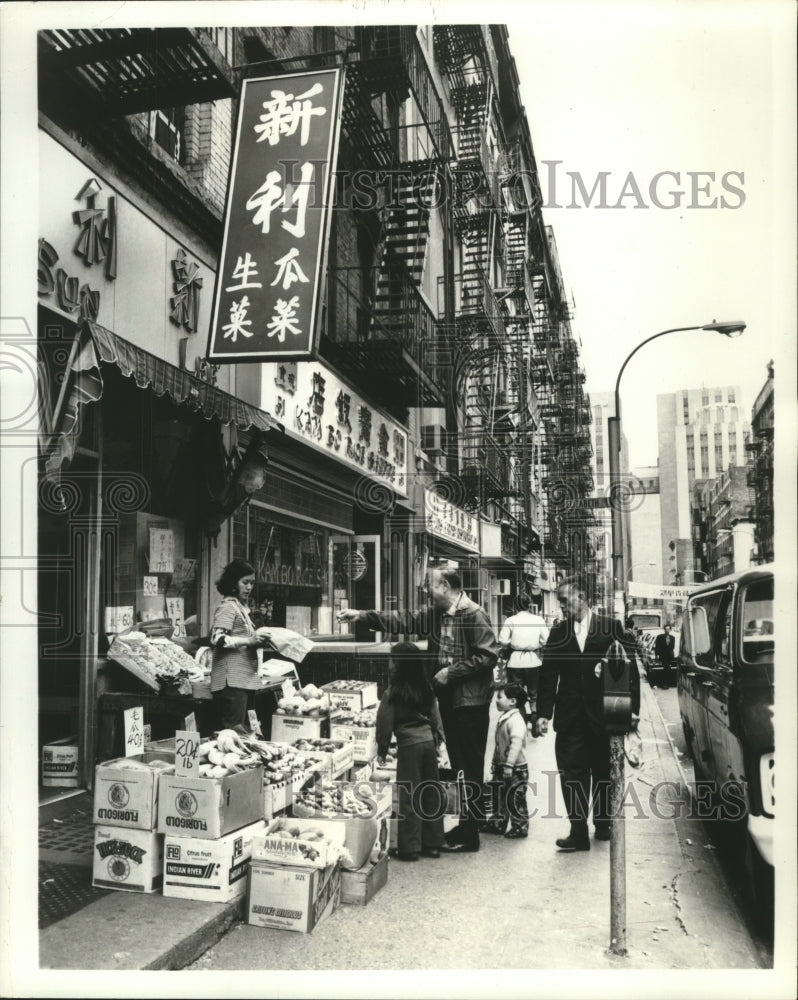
(225,755)
(281,761)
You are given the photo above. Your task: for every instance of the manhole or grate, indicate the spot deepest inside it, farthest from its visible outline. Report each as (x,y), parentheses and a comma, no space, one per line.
(63,890)
(70,841)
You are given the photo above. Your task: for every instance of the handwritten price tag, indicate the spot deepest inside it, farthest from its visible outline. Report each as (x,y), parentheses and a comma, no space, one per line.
(254,722)
(191,723)
(134,731)
(150,588)
(186,753)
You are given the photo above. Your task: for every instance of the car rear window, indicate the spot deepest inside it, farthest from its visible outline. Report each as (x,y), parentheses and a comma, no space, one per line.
(757,621)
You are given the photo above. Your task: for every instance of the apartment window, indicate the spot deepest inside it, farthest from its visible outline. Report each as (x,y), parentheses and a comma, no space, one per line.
(718,457)
(166,129)
(705,399)
(703,436)
(685,408)
(691,460)
(718,395)
(222,38)
(731,396)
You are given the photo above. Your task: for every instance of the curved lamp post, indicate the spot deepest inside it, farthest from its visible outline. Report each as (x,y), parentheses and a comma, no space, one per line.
(618,835)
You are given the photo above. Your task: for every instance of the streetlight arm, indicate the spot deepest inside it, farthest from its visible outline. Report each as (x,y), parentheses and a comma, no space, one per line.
(662,333)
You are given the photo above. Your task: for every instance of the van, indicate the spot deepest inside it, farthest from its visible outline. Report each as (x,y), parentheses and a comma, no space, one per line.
(725,692)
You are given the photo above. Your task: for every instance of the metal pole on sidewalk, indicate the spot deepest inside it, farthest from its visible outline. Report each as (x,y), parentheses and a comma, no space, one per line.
(617,848)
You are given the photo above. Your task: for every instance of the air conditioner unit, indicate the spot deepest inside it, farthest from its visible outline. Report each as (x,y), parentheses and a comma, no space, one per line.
(433,439)
(500,588)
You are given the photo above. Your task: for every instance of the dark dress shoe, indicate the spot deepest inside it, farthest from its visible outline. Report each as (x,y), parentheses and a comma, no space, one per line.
(401,856)
(572,844)
(430,852)
(603,833)
(462,847)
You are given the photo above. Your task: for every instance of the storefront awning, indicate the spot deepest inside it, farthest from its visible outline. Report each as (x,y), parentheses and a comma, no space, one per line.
(94,346)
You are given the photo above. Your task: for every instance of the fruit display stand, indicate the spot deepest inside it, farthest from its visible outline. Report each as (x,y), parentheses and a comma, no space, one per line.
(351,694)
(339,755)
(359,728)
(301,714)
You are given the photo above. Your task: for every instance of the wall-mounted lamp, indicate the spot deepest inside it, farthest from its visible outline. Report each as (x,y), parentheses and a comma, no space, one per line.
(245,474)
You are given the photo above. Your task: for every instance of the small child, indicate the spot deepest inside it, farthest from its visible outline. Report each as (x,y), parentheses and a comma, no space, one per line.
(509,763)
(409,709)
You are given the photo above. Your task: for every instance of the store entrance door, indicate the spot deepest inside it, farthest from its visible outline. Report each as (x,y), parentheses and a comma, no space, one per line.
(356,579)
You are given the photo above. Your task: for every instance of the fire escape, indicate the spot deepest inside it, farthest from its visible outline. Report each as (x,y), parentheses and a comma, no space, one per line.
(482,383)
(382,324)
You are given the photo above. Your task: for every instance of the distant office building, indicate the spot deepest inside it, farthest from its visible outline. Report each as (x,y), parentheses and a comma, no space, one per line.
(701,432)
(725,505)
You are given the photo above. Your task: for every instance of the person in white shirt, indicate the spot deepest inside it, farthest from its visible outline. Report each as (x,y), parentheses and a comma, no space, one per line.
(523,637)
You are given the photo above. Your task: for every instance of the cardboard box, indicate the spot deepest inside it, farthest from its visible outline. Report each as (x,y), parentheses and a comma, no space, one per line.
(297,851)
(360,772)
(209,807)
(127,859)
(60,763)
(363,739)
(126,794)
(278,796)
(358,887)
(291,898)
(209,869)
(365,837)
(287,728)
(338,762)
(365,696)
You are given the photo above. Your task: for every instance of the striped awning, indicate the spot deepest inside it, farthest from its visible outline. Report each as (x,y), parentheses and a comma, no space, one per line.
(95,346)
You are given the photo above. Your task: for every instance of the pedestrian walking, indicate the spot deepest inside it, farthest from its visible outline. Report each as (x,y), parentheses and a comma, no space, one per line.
(571,689)
(664,646)
(235,642)
(409,710)
(509,767)
(523,636)
(463,647)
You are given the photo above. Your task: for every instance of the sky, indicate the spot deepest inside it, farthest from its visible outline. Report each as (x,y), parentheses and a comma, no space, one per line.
(640,89)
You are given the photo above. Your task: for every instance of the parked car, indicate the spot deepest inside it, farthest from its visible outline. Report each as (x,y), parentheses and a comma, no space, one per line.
(725,691)
(654,669)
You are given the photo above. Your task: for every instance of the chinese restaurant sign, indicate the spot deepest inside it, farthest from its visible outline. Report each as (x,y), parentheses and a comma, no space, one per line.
(271,268)
(443,519)
(319,408)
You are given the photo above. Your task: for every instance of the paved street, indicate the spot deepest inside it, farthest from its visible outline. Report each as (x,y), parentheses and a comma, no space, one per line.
(523,905)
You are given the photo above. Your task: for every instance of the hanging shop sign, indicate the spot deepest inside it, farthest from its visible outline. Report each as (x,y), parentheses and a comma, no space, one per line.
(658,592)
(319,408)
(277,217)
(444,520)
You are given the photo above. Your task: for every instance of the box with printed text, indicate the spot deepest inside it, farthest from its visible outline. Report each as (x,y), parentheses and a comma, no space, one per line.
(127,859)
(60,763)
(291,898)
(209,807)
(126,789)
(216,870)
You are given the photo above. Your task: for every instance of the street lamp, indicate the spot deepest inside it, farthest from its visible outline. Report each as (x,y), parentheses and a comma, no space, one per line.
(729,329)
(618,835)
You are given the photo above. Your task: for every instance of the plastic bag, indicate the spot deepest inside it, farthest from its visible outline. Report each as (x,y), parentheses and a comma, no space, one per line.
(633,748)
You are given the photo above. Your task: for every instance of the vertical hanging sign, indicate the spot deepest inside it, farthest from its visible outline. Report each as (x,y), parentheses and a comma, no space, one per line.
(271,269)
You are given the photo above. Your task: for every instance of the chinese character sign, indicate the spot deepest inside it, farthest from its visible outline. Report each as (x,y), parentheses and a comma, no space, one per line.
(277,217)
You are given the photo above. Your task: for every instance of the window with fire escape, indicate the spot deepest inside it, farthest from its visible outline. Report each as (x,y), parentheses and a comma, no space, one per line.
(167,129)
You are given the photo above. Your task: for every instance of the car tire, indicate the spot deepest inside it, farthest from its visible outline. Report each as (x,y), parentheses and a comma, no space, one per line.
(759,884)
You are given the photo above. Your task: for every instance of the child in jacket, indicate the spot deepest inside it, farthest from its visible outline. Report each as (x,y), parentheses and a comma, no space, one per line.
(510,771)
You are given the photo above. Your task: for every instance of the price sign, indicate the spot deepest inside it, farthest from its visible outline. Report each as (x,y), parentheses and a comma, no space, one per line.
(162,550)
(254,722)
(150,588)
(119,619)
(187,753)
(134,731)
(176,614)
(191,723)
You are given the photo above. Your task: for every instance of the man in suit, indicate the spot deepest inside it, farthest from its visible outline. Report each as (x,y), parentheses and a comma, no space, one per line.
(664,646)
(571,688)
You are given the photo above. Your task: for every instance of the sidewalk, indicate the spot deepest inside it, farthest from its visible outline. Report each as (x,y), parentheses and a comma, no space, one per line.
(514,905)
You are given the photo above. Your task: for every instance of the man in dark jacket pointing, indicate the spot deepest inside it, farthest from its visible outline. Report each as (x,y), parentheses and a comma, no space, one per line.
(463,645)
(571,688)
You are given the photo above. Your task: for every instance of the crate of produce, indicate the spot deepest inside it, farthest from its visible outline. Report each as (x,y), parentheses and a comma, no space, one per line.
(339,754)
(352,695)
(360,729)
(362,808)
(126,789)
(360,886)
(310,843)
(215,870)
